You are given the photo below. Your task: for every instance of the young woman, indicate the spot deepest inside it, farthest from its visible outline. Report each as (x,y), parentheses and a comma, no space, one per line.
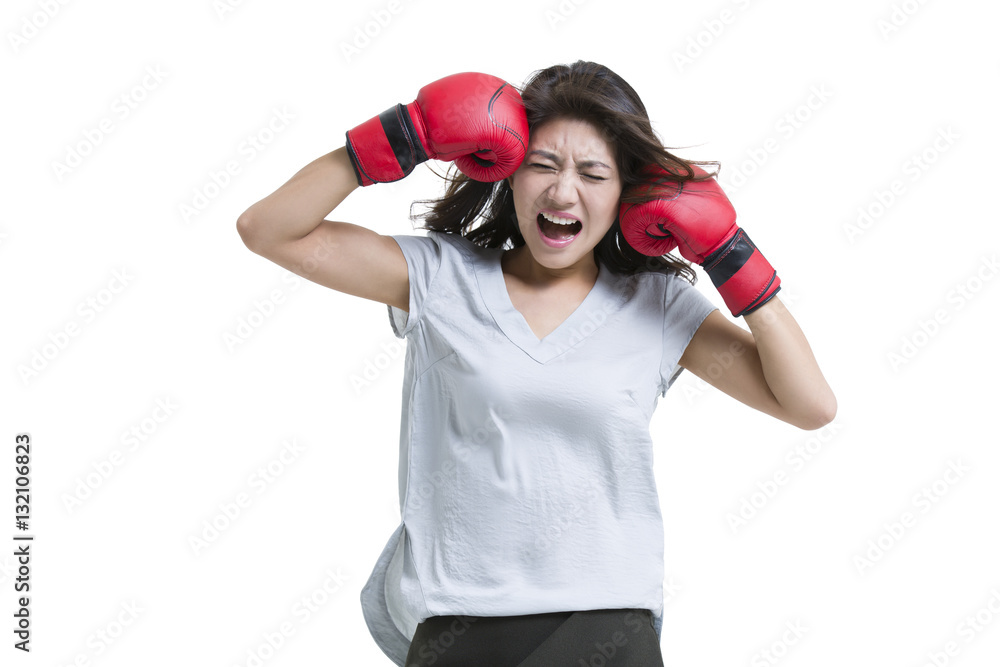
(544,317)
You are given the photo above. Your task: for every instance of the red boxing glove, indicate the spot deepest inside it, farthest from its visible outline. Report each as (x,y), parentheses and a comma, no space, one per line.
(475,119)
(698,219)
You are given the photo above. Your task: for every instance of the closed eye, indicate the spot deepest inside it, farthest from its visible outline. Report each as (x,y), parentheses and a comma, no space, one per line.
(548,166)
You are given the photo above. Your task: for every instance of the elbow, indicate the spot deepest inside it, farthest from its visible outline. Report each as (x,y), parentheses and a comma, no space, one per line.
(245,228)
(819,415)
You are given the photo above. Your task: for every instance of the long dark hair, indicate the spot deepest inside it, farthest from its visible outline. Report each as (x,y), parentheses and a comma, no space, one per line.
(585,91)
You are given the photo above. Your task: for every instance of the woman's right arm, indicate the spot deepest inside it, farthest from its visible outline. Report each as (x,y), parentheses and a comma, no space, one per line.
(288,228)
(475,119)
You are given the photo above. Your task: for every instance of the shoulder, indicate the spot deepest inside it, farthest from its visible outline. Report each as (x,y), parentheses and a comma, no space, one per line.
(668,292)
(460,247)
(664,282)
(455,240)
(440,243)
(670,282)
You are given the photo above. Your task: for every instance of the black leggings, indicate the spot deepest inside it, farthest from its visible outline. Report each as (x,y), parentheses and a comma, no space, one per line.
(594,638)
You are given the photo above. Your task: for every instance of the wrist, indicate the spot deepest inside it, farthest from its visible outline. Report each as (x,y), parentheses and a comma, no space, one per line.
(741,273)
(387,147)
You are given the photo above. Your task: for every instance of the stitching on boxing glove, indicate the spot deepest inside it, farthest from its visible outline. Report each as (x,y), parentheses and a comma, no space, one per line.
(506,128)
(753,305)
(407,126)
(717,258)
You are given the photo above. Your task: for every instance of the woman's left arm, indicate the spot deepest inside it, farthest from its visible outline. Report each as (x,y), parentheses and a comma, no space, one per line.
(770,368)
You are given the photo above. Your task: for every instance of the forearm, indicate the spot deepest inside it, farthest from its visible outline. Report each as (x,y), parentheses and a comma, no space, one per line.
(301,204)
(789,367)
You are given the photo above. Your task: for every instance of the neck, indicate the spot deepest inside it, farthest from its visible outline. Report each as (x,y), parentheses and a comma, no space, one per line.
(520,263)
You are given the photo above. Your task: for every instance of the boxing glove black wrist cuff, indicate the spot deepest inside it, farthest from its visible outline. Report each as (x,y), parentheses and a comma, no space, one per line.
(725,262)
(403,137)
(744,278)
(386,148)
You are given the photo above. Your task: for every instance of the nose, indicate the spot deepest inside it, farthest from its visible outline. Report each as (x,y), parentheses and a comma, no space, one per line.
(562,191)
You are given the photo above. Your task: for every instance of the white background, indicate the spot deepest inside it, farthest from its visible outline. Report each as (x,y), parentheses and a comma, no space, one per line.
(870,86)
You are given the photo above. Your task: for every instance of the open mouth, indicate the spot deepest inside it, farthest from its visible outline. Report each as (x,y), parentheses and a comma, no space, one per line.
(558,229)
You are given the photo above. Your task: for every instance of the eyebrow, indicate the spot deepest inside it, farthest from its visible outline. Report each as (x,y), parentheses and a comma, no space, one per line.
(583,163)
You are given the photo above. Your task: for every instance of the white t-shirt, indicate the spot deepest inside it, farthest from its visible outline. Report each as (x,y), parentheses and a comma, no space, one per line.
(526,479)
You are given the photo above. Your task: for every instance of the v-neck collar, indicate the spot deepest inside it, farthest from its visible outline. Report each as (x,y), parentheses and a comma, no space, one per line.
(603,298)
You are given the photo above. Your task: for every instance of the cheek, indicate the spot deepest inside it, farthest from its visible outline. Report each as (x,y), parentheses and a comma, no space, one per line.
(610,208)
(521,211)
(616,203)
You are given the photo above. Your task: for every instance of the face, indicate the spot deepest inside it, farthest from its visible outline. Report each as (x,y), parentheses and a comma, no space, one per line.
(568,174)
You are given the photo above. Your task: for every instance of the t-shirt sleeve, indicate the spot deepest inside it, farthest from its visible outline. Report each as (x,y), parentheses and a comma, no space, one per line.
(685,308)
(423,259)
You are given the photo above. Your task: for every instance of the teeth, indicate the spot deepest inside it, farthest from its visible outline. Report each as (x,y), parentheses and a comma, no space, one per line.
(558,220)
